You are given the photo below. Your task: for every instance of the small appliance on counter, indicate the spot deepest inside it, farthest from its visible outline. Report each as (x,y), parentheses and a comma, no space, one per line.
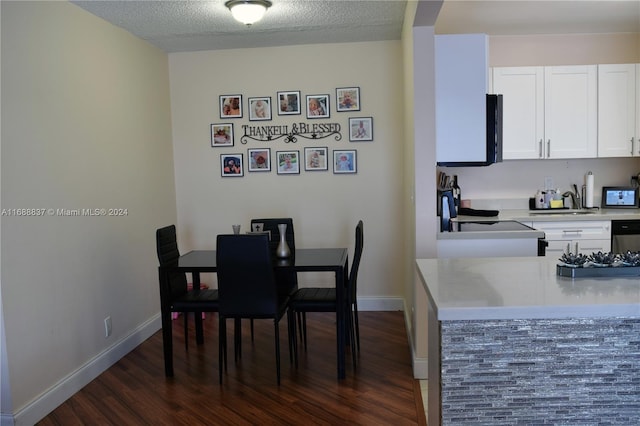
(620,197)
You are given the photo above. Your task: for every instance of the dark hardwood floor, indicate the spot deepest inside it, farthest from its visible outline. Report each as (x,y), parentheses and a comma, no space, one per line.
(134,391)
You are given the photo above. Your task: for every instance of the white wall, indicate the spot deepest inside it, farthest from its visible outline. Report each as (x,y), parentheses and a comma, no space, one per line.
(325,207)
(85,124)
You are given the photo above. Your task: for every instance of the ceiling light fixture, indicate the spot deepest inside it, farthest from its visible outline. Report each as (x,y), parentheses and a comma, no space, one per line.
(248,11)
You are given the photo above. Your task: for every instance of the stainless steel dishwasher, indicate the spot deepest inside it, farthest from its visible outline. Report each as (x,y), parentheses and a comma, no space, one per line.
(625,235)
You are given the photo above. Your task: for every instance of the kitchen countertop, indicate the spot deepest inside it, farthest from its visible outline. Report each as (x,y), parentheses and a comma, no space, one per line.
(559,215)
(490,233)
(522,288)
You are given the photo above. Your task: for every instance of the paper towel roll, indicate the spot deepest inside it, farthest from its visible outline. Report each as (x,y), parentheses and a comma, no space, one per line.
(588,196)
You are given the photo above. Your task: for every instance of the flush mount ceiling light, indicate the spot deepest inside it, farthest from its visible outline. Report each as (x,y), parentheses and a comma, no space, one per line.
(248,11)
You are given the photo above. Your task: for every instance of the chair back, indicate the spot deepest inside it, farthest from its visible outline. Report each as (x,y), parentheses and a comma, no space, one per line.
(355,265)
(287,280)
(168,254)
(246,282)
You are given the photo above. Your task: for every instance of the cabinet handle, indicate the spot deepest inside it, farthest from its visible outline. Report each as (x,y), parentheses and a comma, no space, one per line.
(573,231)
(548,148)
(540,149)
(576,247)
(632,146)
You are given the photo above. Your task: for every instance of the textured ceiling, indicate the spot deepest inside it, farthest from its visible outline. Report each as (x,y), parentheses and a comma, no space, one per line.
(207,25)
(191,25)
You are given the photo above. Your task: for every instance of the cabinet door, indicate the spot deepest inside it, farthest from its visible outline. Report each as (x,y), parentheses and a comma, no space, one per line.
(462,77)
(637,138)
(571,115)
(523,111)
(557,248)
(616,110)
(585,236)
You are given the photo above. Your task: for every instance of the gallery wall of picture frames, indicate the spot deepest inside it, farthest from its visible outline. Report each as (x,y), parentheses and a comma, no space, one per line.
(289,103)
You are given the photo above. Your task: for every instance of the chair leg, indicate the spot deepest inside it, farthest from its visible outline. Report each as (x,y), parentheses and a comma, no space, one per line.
(352,336)
(293,343)
(222,346)
(357,326)
(277,334)
(299,315)
(304,330)
(237,339)
(186,331)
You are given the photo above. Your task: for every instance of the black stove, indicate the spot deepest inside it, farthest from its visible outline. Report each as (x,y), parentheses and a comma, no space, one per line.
(484,226)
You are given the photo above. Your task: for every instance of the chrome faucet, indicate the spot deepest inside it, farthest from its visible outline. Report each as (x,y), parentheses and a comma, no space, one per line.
(576,202)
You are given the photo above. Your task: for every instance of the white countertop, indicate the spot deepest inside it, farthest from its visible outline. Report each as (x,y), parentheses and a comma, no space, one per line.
(527,216)
(560,215)
(522,288)
(490,234)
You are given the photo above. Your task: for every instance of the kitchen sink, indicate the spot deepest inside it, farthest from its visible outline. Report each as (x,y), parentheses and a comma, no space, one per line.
(561,212)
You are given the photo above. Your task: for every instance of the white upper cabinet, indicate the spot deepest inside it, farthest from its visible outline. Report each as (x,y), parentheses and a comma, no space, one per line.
(523,111)
(549,112)
(462,76)
(617,111)
(571,111)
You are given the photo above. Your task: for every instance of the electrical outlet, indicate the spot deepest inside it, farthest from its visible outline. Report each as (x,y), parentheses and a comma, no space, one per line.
(548,183)
(107,327)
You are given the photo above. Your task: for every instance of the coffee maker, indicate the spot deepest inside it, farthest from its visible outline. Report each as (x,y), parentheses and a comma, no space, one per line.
(446,209)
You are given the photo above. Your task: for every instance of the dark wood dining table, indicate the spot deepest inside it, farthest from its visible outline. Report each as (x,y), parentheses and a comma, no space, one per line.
(303,260)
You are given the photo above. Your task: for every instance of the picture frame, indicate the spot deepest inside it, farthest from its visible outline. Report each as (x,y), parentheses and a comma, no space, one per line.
(221,134)
(260,108)
(288,162)
(345,161)
(360,129)
(315,158)
(347,99)
(231,165)
(230,106)
(259,159)
(318,106)
(289,103)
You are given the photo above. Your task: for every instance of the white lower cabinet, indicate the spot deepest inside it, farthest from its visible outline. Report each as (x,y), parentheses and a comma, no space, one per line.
(580,236)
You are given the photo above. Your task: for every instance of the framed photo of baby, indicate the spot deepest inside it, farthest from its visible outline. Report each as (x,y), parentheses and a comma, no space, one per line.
(315,158)
(231,165)
(288,162)
(222,134)
(360,129)
(318,106)
(344,161)
(259,160)
(231,106)
(289,103)
(348,99)
(259,109)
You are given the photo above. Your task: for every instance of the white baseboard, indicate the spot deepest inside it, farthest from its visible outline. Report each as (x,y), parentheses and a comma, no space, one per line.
(380,304)
(65,388)
(420,370)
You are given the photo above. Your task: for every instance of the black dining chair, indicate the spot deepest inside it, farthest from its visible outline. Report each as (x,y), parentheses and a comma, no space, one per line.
(176,295)
(248,289)
(319,299)
(287,280)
